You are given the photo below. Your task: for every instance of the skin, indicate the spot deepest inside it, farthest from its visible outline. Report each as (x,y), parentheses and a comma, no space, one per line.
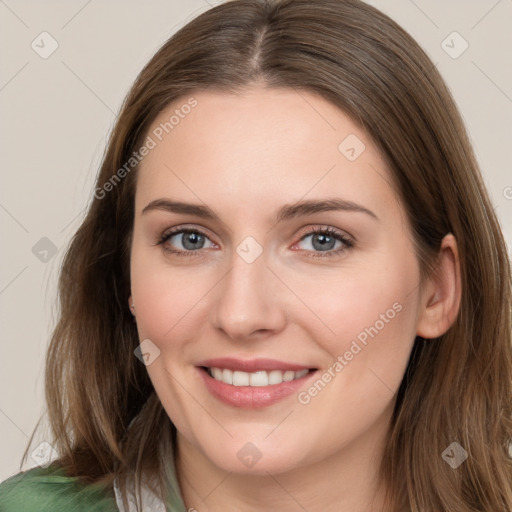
(245,156)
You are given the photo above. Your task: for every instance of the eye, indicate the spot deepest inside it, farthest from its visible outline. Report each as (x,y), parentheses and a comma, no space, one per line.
(325,242)
(317,242)
(184,241)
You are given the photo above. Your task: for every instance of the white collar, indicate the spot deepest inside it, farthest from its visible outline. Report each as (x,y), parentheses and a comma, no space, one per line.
(150,501)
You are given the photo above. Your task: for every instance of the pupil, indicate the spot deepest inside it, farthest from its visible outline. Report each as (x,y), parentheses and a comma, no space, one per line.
(192,240)
(324,241)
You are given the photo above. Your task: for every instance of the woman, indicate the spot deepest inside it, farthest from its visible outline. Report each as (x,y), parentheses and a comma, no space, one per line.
(290,289)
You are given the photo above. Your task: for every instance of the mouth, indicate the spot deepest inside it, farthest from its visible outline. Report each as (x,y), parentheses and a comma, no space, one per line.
(253,383)
(259,378)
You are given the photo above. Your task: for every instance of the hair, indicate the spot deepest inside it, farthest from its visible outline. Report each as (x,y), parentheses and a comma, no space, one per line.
(102,407)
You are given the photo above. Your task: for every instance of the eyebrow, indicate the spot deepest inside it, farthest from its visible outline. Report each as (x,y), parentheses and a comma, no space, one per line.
(286,212)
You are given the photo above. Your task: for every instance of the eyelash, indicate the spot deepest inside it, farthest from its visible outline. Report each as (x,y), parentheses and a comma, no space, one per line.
(348,243)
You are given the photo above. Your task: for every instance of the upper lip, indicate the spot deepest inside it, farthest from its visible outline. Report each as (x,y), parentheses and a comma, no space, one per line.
(252,365)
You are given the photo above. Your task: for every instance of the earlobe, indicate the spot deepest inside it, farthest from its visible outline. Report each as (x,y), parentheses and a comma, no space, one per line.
(442,294)
(131,305)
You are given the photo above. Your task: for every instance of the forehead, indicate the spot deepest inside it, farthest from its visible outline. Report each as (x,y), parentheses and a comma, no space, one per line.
(262,147)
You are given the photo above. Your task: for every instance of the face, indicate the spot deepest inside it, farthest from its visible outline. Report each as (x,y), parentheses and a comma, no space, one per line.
(274,279)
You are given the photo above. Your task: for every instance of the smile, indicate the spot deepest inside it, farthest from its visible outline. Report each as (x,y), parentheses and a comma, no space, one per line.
(255,379)
(254,383)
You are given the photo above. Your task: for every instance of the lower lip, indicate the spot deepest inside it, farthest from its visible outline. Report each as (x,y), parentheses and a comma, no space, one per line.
(252,397)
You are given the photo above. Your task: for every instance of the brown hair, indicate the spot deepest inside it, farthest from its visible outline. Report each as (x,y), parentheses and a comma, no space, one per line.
(456,388)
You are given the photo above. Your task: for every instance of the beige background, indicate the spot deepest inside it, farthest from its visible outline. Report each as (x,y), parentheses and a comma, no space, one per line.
(56,113)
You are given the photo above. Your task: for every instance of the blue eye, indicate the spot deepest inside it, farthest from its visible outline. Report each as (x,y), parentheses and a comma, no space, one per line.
(191,240)
(324,242)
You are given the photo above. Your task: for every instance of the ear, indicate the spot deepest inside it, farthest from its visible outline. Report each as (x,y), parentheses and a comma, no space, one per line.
(131,305)
(441,296)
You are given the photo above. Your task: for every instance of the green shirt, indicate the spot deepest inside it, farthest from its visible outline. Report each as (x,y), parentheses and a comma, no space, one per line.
(51,490)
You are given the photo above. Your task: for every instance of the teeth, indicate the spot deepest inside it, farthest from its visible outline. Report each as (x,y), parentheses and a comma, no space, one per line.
(227,376)
(240,378)
(256,379)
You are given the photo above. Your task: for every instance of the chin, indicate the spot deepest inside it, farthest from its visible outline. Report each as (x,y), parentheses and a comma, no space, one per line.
(257,457)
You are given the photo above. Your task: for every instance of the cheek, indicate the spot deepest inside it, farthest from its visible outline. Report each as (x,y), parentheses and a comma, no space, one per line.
(167,298)
(373,316)
(368,314)
(167,304)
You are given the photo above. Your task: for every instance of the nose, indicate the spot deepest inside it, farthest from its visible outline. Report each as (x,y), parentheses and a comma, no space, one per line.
(250,300)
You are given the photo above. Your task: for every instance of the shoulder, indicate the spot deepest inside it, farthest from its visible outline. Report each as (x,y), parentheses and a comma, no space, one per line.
(50,489)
